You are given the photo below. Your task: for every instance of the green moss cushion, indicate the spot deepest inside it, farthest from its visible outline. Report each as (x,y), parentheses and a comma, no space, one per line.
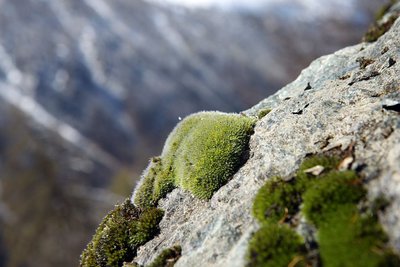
(211,151)
(200,155)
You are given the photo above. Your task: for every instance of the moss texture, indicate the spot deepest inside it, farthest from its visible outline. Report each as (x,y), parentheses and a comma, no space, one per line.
(328,194)
(167,258)
(347,236)
(121,232)
(262,113)
(276,200)
(200,155)
(303,177)
(330,201)
(279,199)
(149,190)
(379,29)
(273,246)
(212,152)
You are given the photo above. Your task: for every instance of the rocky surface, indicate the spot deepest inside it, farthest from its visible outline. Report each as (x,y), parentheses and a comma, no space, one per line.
(348,101)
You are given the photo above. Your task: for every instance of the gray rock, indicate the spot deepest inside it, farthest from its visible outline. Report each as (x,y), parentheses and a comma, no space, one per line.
(343,108)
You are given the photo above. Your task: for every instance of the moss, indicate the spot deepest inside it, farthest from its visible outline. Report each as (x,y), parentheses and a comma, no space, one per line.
(167,258)
(335,189)
(262,113)
(384,9)
(156,182)
(329,164)
(200,155)
(379,29)
(346,236)
(330,200)
(121,232)
(145,227)
(144,196)
(274,246)
(276,200)
(212,152)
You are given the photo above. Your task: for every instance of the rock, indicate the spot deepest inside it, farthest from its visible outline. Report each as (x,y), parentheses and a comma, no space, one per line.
(343,111)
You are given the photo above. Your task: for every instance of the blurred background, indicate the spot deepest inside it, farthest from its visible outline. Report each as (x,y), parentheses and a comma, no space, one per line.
(89,90)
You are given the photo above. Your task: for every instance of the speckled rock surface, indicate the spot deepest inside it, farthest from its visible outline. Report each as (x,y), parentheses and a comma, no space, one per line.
(354,101)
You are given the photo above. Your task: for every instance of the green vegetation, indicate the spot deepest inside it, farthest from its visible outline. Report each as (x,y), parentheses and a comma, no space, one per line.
(145,195)
(328,194)
(167,258)
(121,232)
(262,113)
(328,163)
(200,155)
(273,246)
(378,28)
(329,200)
(347,237)
(212,152)
(276,200)
(384,9)
(130,264)
(279,199)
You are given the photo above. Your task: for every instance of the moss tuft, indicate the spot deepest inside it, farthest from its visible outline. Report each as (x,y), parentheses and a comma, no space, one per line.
(262,113)
(145,227)
(156,182)
(211,152)
(121,232)
(130,264)
(278,199)
(274,246)
(329,164)
(167,258)
(275,200)
(331,191)
(144,197)
(200,155)
(346,236)
(330,201)
(379,29)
